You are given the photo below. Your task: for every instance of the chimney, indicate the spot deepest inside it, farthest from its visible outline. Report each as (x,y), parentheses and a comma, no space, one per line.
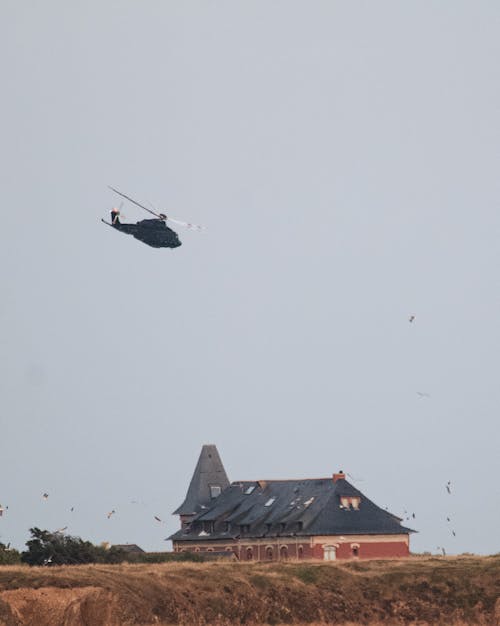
(338,476)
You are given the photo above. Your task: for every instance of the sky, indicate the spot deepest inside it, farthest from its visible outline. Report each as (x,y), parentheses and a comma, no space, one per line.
(343,157)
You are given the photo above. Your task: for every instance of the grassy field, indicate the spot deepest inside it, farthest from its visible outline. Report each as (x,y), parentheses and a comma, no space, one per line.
(419,591)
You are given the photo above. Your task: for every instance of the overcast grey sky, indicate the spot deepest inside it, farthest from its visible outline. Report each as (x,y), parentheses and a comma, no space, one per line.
(344,158)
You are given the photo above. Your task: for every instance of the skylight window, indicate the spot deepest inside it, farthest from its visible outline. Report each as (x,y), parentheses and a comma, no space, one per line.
(249,490)
(308,502)
(270,501)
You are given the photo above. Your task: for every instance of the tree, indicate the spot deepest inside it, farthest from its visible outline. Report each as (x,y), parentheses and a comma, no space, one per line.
(46,548)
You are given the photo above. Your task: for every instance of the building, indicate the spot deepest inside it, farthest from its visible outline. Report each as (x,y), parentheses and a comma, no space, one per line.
(318,518)
(131,548)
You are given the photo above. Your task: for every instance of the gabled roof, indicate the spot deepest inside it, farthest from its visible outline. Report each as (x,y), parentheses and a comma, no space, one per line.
(129,547)
(289,507)
(209,472)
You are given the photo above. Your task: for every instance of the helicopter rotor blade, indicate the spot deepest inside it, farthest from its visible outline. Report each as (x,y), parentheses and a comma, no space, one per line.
(158,215)
(187,225)
(133,201)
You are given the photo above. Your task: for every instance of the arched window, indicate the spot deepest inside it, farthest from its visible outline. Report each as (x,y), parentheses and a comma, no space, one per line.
(249,554)
(284,553)
(329,553)
(269,553)
(300,552)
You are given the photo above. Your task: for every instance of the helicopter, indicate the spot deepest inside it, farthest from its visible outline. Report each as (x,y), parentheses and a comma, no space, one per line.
(152,232)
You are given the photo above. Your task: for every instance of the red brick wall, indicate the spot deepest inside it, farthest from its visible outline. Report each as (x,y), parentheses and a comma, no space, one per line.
(374,550)
(368,550)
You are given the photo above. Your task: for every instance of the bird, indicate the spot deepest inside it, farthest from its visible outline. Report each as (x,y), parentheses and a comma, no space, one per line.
(411,318)
(413,515)
(448,486)
(448,519)
(423,394)
(72,509)
(111,513)
(47,561)
(1,510)
(60,530)
(45,496)
(454,533)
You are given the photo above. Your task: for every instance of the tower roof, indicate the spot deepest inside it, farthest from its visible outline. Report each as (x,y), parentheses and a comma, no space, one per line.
(209,479)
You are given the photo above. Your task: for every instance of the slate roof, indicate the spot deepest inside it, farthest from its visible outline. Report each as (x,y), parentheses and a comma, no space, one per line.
(129,547)
(294,508)
(209,472)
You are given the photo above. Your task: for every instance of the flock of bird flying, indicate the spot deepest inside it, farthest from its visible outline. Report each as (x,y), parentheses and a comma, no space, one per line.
(62,530)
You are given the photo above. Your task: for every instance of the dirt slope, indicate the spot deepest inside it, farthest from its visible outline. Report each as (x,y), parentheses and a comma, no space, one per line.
(432,591)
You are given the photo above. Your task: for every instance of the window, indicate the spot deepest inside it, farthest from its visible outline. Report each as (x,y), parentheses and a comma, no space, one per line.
(355,551)
(308,502)
(283,553)
(245,528)
(282,527)
(269,553)
(348,502)
(208,527)
(329,553)
(300,553)
(215,491)
(249,554)
(270,501)
(249,490)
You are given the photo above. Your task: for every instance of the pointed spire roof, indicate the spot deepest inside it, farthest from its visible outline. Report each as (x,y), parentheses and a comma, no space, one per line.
(209,472)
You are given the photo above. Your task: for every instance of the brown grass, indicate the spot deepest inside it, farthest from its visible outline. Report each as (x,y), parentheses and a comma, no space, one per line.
(452,591)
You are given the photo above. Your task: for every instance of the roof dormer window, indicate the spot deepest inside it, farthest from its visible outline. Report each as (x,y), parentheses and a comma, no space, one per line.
(215,491)
(270,501)
(249,490)
(348,502)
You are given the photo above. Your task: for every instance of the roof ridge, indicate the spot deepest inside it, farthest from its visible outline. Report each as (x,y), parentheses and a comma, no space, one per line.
(281,480)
